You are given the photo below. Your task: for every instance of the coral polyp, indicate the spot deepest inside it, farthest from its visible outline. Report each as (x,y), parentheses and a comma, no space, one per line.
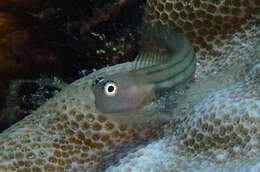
(208,24)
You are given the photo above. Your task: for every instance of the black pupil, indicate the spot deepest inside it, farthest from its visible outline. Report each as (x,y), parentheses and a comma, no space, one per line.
(110,88)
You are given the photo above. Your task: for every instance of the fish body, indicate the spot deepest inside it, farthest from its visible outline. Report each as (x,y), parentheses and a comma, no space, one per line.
(165,61)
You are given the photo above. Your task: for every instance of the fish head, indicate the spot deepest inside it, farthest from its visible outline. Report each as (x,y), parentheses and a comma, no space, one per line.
(123,92)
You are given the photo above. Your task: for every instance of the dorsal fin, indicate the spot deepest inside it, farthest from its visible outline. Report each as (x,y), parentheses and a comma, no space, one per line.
(152,50)
(148,59)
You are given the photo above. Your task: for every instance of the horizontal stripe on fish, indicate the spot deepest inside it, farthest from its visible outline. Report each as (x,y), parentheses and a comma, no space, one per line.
(178,76)
(179,58)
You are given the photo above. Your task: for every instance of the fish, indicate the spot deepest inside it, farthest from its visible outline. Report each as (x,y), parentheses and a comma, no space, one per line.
(166,60)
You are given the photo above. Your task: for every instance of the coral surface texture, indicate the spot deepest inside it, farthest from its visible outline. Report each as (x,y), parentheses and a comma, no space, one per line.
(213,124)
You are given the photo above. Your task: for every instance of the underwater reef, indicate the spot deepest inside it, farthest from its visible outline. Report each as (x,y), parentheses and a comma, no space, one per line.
(219,133)
(210,124)
(47,40)
(22,97)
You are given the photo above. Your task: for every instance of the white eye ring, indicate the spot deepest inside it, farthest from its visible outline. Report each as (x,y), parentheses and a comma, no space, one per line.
(111,89)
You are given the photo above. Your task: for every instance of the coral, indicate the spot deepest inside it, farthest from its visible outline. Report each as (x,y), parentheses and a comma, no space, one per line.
(21,97)
(221,133)
(208,24)
(221,31)
(69,133)
(241,45)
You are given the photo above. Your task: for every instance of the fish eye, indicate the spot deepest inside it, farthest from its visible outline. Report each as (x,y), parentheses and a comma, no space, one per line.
(111,88)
